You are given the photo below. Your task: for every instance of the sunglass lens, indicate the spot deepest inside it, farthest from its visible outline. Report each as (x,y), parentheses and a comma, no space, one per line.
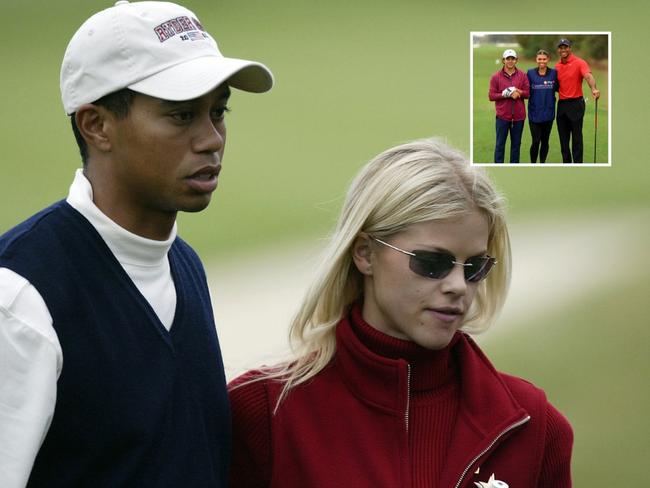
(431,264)
(480,267)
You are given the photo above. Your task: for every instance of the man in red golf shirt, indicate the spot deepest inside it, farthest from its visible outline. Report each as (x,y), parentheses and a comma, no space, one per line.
(571,70)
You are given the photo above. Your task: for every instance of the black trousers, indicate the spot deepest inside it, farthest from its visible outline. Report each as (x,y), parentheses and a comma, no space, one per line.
(570,114)
(540,132)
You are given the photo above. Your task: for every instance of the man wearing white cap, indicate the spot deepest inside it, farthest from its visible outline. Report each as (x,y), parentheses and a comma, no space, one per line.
(508,89)
(110,368)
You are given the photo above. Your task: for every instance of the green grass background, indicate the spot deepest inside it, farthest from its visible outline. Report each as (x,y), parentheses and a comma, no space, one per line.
(484,64)
(354,78)
(593,363)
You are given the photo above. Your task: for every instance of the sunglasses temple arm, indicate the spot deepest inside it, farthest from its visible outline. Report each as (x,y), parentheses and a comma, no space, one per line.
(393,247)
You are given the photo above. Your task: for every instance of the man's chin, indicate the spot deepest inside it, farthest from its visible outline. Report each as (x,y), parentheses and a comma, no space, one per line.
(197,205)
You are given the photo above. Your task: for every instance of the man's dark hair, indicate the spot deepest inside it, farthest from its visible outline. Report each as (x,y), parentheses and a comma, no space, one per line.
(117,103)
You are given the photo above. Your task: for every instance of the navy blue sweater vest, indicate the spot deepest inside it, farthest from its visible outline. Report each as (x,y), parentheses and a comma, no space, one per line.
(137,405)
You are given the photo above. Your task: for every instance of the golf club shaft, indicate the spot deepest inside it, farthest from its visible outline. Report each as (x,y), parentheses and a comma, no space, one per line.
(595,128)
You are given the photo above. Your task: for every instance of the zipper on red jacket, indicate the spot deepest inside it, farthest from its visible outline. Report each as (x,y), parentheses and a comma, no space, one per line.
(408,395)
(491,445)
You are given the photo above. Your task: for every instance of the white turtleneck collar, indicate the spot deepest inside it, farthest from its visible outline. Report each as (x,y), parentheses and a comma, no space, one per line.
(144,260)
(129,248)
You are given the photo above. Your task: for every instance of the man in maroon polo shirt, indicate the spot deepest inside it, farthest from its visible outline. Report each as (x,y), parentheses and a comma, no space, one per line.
(571,70)
(508,89)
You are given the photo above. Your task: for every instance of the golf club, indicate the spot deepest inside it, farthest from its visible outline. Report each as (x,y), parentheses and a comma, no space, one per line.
(595,128)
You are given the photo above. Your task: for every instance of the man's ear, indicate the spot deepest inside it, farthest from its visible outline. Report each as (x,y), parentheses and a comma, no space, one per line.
(91,121)
(362,253)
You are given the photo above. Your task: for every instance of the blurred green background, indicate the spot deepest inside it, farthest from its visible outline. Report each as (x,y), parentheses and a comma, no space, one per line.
(354,78)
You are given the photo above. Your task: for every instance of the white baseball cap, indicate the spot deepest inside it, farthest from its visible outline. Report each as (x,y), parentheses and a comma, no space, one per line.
(156,48)
(509,52)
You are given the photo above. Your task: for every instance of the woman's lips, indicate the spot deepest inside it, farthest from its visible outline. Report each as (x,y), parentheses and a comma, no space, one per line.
(446,314)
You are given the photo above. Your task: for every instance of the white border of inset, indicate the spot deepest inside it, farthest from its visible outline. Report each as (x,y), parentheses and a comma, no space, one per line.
(610,96)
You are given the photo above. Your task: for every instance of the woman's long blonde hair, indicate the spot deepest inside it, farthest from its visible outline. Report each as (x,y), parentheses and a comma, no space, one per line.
(415,182)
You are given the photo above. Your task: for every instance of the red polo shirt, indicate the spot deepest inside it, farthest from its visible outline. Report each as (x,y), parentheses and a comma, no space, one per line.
(570,75)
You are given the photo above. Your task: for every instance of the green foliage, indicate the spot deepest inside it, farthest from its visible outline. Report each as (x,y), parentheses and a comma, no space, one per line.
(590,46)
(530,44)
(597,47)
(503,38)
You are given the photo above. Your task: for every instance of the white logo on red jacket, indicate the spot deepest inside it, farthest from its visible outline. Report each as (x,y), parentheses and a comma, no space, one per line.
(491,483)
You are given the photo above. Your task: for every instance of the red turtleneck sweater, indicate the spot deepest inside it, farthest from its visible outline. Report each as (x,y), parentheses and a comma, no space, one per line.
(348,424)
(434,397)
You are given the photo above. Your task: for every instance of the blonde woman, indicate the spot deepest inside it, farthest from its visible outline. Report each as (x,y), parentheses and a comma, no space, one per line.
(387,388)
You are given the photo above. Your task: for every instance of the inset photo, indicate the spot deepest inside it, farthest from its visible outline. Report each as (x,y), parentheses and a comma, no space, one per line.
(540,98)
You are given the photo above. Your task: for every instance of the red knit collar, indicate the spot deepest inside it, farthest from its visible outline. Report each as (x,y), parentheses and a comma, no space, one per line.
(384,382)
(429,369)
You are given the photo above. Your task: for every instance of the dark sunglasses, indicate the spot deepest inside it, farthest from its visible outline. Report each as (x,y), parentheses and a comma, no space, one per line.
(437,265)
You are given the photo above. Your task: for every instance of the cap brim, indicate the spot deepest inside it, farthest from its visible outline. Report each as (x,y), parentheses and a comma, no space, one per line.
(198,76)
